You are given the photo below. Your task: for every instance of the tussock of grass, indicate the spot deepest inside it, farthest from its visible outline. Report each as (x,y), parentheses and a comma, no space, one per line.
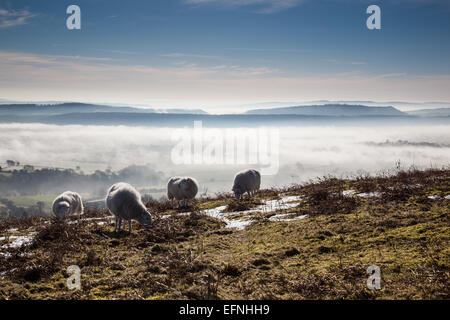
(179,228)
(159,206)
(328,200)
(235,205)
(20,224)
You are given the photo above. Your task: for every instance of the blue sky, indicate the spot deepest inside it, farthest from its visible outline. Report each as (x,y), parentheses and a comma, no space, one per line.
(198,53)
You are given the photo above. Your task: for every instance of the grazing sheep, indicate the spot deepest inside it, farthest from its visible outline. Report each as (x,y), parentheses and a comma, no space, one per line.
(125,202)
(66,204)
(182,188)
(246,181)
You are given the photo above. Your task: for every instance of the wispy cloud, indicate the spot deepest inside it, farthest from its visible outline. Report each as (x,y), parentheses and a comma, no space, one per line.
(188,55)
(43,60)
(273,6)
(41,77)
(392,75)
(276,50)
(118,51)
(264,6)
(346,62)
(12,18)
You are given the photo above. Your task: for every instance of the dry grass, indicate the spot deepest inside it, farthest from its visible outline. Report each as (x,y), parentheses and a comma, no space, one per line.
(235,205)
(20,224)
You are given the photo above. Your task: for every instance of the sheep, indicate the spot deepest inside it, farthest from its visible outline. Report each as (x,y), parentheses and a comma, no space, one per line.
(66,204)
(182,188)
(246,181)
(124,202)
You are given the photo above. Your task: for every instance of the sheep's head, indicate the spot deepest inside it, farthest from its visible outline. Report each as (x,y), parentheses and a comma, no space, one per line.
(237,193)
(63,210)
(145,220)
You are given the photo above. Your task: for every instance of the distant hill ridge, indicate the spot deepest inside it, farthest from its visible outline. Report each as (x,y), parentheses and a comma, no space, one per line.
(331,110)
(440,112)
(77,107)
(96,114)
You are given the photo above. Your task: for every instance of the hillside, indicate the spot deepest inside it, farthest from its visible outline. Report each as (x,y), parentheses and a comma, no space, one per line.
(76,107)
(336,110)
(91,114)
(311,241)
(439,112)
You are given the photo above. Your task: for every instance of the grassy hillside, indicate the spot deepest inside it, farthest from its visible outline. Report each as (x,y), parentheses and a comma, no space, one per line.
(399,223)
(27,201)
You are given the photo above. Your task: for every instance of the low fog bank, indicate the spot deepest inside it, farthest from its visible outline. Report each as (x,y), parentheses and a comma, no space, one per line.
(304,153)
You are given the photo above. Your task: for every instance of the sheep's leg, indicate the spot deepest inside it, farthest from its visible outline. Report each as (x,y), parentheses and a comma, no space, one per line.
(115,226)
(129,226)
(120,224)
(184,202)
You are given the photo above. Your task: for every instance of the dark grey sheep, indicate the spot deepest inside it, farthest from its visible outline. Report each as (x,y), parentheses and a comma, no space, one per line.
(182,189)
(246,181)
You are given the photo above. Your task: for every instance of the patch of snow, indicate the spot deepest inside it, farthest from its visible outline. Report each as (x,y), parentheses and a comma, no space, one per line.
(5,272)
(267,206)
(278,217)
(282,217)
(99,218)
(240,224)
(216,212)
(92,219)
(434,197)
(295,218)
(18,241)
(348,192)
(369,194)
(279,204)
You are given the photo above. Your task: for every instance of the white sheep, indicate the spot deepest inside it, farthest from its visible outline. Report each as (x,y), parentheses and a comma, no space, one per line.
(125,202)
(246,181)
(66,204)
(182,189)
